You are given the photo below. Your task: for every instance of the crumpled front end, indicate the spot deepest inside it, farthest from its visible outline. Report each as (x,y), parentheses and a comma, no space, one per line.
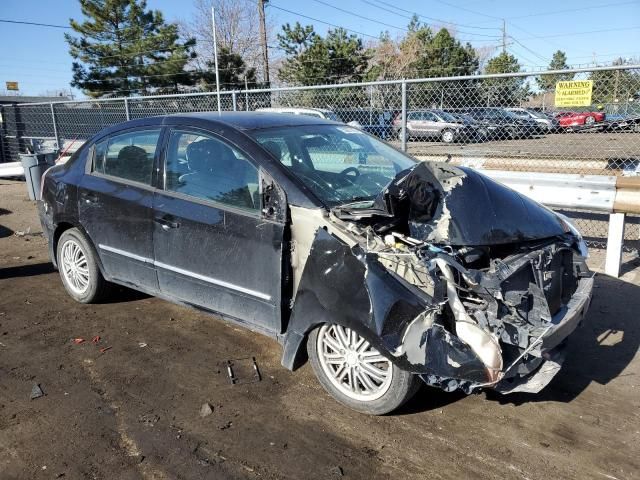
(503,326)
(452,277)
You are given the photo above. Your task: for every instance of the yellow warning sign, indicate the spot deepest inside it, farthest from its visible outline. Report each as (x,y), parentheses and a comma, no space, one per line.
(576,93)
(12,85)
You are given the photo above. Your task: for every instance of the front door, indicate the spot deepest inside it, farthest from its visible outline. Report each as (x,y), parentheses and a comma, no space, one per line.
(115,202)
(213,246)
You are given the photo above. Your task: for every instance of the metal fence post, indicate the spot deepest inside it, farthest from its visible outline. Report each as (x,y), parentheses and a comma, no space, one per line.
(615,240)
(55,126)
(404,116)
(233,99)
(126,108)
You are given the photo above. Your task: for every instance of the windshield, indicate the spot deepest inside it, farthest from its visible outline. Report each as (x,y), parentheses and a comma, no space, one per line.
(446,116)
(339,164)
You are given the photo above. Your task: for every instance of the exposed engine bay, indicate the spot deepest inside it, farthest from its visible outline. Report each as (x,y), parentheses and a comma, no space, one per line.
(488,284)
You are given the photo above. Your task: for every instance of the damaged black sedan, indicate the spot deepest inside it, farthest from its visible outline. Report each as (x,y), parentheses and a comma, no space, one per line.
(383,271)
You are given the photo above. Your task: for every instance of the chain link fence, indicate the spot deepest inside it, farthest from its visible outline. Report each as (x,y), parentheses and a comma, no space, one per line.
(504,122)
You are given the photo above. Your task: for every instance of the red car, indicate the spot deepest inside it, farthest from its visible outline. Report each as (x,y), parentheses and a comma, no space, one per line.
(576,119)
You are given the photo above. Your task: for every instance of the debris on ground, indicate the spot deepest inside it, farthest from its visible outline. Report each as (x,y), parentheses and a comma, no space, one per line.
(243,370)
(336,471)
(142,345)
(36,392)
(78,340)
(22,233)
(95,339)
(104,349)
(206,409)
(149,419)
(226,425)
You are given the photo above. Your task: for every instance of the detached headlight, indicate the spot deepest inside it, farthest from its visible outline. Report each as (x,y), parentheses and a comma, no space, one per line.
(581,244)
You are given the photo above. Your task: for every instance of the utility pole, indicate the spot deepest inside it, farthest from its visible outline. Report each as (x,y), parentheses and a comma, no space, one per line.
(215,56)
(504,36)
(263,41)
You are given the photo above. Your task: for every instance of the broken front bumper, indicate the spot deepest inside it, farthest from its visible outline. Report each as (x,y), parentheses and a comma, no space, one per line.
(551,346)
(534,367)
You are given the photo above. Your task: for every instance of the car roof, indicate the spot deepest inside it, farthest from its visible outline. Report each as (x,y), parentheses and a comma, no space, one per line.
(239,120)
(294,109)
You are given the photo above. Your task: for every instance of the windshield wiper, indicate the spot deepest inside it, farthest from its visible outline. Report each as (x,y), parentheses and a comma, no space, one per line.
(356,201)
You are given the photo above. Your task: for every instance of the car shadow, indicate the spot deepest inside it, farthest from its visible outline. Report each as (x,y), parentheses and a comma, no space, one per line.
(119,294)
(5,232)
(598,351)
(26,270)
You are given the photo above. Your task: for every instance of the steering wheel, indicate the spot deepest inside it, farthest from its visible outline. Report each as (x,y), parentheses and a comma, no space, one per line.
(348,170)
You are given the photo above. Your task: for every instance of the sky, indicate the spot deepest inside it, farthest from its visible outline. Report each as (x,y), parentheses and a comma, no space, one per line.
(587,30)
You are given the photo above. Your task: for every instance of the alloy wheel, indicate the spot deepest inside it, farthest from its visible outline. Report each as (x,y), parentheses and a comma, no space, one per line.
(352,365)
(75,267)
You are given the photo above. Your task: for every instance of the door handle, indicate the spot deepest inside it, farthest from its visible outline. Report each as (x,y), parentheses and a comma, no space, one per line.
(89,197)
(166,222)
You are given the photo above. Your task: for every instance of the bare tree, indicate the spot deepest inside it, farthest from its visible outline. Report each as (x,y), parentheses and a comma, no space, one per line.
(237,29)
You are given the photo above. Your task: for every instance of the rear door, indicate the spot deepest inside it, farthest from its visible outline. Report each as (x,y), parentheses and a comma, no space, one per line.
(213,245)
(115,205)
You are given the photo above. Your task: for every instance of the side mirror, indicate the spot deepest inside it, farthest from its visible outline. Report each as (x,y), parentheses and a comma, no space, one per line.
(273,199)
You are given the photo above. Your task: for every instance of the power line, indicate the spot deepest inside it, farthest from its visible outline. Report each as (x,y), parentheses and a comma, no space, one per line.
(458,7)
(544,59)
(395,7)
(571,10)
(559,35)
(320,21)
(34,23)
(359,16)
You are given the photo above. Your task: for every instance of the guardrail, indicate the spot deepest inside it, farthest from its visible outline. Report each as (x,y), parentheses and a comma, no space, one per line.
(616,196)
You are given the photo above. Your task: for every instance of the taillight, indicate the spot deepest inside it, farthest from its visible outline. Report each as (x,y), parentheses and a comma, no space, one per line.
(42,181)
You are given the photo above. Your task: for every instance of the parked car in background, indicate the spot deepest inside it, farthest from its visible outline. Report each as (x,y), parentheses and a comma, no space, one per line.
(503,125)
(435,124)
(384,271)
(481,130)
(571,120)
(311,112)
(546,123)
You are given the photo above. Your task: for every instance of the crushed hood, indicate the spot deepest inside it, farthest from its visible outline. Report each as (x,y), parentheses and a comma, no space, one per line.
(459,206)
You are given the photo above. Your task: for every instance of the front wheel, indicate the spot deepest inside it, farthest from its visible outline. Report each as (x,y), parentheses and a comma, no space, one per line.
(355,373)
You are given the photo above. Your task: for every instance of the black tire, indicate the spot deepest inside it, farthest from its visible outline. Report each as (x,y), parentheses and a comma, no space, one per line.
(97,288)
(403,385)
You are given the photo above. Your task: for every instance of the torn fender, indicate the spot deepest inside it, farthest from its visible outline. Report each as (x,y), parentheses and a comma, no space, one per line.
(349,287)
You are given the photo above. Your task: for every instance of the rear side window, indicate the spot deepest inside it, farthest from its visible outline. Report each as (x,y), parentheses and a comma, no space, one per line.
(128,156)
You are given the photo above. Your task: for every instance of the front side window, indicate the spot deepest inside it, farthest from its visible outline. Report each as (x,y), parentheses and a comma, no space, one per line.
(128,156)
(340,164)
(205,167)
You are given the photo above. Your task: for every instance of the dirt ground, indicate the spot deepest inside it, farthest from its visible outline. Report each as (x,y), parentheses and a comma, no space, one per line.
(133,411)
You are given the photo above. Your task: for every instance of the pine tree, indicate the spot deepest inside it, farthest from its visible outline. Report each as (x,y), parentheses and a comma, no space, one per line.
(124,49)
(615,86)
(234,73)
(504,91)
(558,62)
(312,60)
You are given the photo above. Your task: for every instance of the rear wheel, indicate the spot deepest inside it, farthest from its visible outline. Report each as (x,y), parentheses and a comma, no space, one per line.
(355,373)
(78,268)
(589,120)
